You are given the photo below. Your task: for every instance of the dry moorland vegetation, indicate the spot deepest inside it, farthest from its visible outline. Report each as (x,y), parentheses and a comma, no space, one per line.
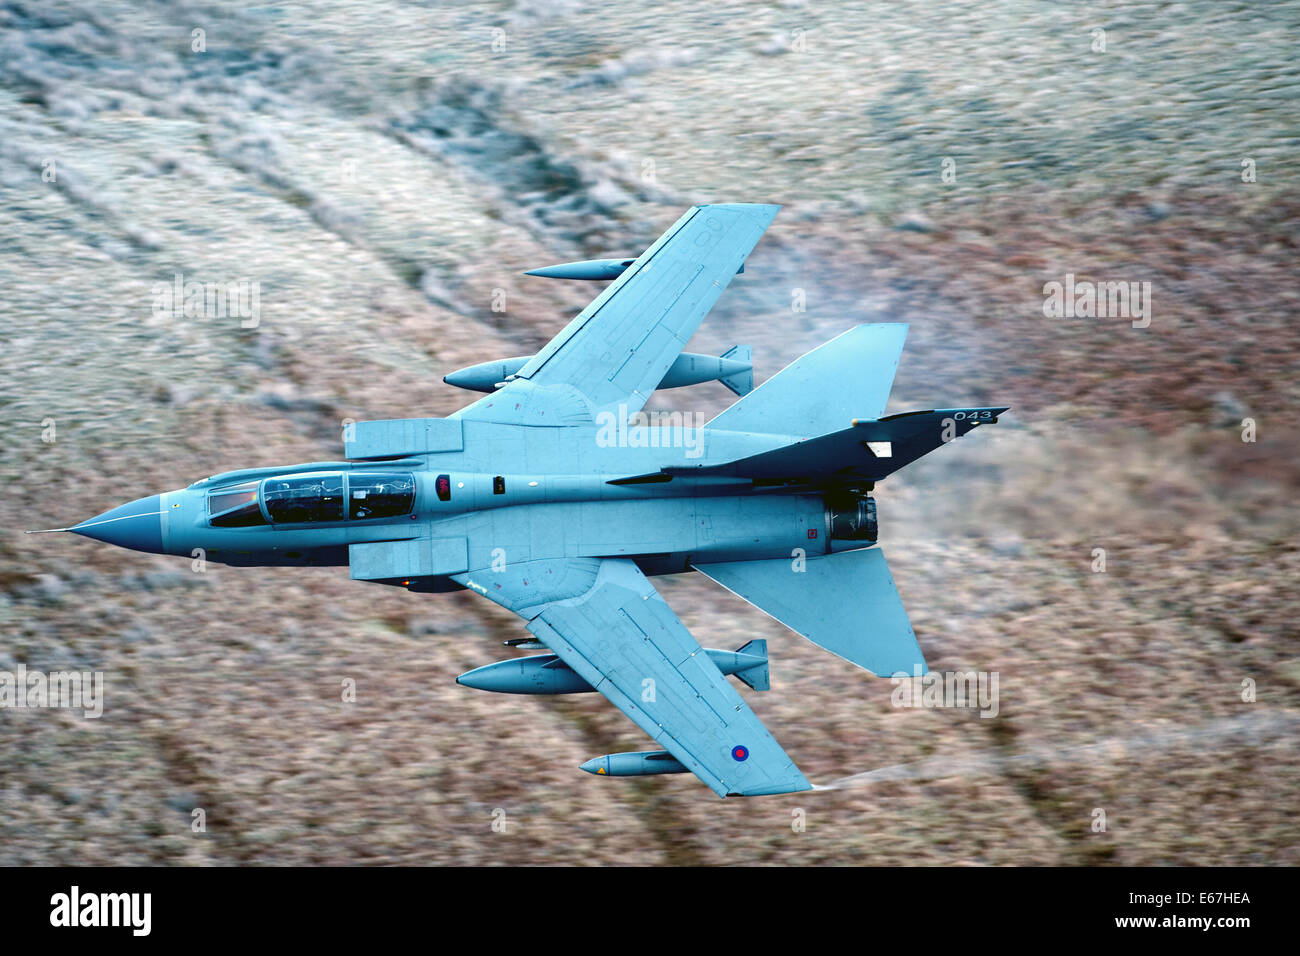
(382,169)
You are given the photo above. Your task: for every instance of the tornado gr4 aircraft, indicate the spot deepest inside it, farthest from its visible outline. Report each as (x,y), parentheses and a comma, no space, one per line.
(542,497)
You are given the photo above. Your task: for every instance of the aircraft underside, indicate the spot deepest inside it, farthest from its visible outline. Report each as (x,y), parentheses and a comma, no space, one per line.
(547,497)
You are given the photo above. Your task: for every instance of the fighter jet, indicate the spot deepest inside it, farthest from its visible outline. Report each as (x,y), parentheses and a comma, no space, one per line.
(552,497)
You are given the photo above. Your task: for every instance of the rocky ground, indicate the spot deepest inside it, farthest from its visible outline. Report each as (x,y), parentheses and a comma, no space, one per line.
(385,172)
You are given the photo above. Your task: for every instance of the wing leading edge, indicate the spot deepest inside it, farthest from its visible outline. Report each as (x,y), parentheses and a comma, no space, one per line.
(615,352)
(621,637)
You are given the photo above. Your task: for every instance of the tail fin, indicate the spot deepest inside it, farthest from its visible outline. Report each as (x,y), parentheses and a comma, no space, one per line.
(845,602)
(849,376)
(742,383)
(756,676)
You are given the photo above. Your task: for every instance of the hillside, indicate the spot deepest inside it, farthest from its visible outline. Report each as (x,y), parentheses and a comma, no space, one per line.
(386,171)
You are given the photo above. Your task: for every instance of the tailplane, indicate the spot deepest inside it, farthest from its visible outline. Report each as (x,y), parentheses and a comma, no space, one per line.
(844,602)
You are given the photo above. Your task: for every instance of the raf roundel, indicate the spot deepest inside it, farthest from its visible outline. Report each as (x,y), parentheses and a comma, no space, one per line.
(740,752)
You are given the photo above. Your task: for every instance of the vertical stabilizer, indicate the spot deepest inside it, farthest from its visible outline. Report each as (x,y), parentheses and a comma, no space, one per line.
(849,377)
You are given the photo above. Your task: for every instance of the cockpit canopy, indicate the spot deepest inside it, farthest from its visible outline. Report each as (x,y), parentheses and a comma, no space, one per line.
(313,497)
(235,507)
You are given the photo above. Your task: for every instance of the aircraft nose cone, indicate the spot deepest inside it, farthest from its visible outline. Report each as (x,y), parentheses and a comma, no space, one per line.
(136,525)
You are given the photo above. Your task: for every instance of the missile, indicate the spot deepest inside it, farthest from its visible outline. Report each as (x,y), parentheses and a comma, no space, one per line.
(547,674)
(733,369)
(639,764)
(525,644)
(595,269)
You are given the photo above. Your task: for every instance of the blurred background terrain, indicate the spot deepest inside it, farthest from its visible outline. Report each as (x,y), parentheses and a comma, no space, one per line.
(386,171)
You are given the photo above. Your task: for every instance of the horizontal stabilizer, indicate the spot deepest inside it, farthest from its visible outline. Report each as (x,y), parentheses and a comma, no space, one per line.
(844,602)
(851,375)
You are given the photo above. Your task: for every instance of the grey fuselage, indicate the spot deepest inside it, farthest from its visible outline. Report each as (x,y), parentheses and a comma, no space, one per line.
(522,494)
